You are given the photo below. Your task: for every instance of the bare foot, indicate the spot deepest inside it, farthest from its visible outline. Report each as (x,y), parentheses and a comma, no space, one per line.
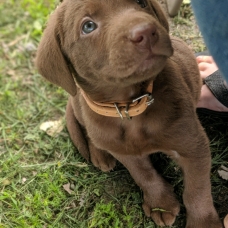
(226,221)
(207,66)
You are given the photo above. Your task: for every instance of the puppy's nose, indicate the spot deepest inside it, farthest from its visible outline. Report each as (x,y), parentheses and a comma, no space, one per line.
(144,35)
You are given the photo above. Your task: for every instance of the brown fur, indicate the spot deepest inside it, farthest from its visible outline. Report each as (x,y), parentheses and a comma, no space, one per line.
(110,64)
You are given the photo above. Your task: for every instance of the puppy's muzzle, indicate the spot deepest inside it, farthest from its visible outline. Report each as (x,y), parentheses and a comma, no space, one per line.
(143,35)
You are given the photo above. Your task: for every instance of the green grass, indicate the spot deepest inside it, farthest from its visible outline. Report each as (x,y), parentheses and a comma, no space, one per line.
(35,167)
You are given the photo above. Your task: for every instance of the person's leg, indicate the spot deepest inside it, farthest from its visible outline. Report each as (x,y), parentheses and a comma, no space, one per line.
(207,66)
(211,17)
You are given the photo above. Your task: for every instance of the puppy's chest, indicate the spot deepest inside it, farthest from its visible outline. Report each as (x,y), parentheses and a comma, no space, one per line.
(134,136)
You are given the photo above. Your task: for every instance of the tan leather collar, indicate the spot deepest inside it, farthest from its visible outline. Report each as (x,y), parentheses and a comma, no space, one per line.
(122,110)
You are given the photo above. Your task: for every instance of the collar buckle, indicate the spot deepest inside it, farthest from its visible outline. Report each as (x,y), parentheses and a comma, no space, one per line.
(127,113)
(118,111)
(150,99)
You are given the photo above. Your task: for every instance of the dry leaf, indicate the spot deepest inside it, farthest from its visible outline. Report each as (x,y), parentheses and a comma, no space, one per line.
(81,165)
(73,205)
(23,180)
(52,128)
(11,72)
(67,188)
(6,182)
(82,201)
(223,172)
(34,173)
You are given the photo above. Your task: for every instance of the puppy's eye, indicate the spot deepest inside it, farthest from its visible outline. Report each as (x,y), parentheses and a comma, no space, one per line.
(88,27)
(142,3)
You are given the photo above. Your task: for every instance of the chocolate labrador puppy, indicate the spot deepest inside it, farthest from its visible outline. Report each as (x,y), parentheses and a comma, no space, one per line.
(133,92)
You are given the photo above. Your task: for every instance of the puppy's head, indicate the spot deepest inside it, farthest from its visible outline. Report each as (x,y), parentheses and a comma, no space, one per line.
(103,42)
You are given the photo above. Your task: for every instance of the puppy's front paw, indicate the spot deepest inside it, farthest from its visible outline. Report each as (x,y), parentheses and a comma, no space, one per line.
(199,220)
(102,160)
(162,210)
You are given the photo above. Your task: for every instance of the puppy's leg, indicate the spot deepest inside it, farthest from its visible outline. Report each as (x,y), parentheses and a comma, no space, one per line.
(101,159)
(159,201)
(75,132)
(195,161)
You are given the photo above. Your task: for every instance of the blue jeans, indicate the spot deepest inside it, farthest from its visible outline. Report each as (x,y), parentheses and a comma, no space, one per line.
(212,18)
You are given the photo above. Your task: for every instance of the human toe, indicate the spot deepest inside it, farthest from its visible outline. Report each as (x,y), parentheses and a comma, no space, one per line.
(204,58)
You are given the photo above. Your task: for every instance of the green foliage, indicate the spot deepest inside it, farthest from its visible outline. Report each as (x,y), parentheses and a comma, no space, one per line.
(33,202)
(38,11)
(110,215)
(105,215)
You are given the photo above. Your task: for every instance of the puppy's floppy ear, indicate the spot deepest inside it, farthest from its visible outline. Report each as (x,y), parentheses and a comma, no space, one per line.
(155,7)
(50,60)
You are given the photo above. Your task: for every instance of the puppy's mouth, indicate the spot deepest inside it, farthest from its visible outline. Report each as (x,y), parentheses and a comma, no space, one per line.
(147,63)
(150,56)
(142,69)
(154,56)
(150,62)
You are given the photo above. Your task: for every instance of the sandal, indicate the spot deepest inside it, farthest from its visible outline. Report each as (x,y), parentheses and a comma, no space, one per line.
(216,83)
